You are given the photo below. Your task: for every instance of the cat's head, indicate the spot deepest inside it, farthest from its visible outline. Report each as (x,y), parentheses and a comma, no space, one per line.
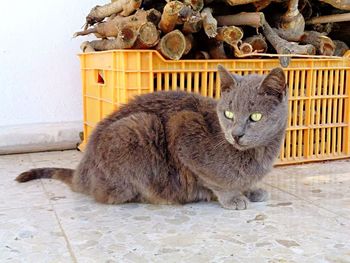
(253,109)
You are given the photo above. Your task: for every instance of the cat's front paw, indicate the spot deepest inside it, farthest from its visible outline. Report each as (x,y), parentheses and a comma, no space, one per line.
(257,195)
(236,203)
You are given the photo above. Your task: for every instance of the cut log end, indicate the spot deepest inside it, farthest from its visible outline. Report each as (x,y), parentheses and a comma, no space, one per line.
(148,36)
(257,42)
(172,45)
(170,16)
(231,35)
(245,48)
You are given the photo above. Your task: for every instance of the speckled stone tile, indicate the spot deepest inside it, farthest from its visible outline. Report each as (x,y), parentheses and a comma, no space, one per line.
(285,229)
(13,194)
(31,235)
(305,220)
(57,191)
(325,185)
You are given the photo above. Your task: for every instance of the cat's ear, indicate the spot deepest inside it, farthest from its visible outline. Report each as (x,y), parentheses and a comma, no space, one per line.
(274,84)
(227,80)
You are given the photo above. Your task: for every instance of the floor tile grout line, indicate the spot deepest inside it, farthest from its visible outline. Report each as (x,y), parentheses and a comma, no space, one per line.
(68,245)
(306,200)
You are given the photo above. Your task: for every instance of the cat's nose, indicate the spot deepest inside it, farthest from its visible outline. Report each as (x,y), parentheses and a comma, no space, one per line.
(237,136)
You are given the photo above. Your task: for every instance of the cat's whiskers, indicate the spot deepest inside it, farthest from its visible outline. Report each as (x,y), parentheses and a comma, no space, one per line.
(219,144)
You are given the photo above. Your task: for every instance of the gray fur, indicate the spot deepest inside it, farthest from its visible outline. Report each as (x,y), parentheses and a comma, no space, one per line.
(175,147)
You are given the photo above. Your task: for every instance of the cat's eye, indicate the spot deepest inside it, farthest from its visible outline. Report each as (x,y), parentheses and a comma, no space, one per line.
(256,116)
(229,114)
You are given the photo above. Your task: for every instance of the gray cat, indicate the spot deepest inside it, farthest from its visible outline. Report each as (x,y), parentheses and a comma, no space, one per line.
(176,147)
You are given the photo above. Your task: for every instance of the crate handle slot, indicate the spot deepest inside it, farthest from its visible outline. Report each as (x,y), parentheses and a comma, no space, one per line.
(100,77)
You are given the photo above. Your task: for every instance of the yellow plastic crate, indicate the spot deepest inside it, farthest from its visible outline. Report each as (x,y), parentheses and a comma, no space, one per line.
(319,92)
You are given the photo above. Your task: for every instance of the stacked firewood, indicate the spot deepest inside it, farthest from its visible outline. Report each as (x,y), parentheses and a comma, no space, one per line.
(220,29)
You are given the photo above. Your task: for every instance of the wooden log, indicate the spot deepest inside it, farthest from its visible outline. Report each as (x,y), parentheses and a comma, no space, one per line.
(209,22)
(148,36)
(86,47)
(282,46)
(193,25)
(259,5)
(240,2)
(185,14)
(244,48)
(340,4)
(254,19)
(170,16)
(172,45)
(122,7)
(201,55)
(153,16)
(111,27)
(189,43)
(292,23)
(216,49)
(126,39)
(340,48)
(322,43)
(329,19)
(229,34)
(196,5)
(257,42)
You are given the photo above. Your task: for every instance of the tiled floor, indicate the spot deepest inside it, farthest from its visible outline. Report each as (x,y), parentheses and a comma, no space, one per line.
(307,219)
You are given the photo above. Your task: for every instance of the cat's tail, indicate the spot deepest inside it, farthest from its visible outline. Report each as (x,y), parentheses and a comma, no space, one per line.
(62,174)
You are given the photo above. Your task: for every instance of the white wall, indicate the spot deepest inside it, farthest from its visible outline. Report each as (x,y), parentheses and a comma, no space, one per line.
(39,68)
(40,86)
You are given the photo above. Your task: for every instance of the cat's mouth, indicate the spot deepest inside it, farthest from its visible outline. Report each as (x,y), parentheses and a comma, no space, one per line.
(237,145)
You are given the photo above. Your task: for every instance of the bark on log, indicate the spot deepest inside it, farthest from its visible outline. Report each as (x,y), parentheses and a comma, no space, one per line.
(189,43)
(112,27)
(283,46)
(148,36)
(254,19)
(86,47)
(257,42)
(329,19)
(209,22)
(193,25)
(340,48)
(292,23)
(123,7)
(322,43)
(170,16)
(340,4)
(172,45)
(125,39)
(185,14)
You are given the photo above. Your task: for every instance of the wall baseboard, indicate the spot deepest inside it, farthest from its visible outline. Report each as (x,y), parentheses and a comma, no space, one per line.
(39,137)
